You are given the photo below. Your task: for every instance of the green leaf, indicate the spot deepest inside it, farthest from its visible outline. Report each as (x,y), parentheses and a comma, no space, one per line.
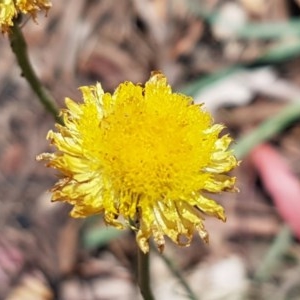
(97,237)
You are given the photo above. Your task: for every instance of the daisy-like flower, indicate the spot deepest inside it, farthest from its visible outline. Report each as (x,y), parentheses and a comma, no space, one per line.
(145,157)
(11,8)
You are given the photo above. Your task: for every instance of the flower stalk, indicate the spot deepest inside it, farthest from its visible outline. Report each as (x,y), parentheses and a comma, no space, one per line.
(19,48)
(144,275)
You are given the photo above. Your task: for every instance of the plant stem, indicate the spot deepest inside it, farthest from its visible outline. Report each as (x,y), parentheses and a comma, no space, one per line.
(19,47)
(279,247)
(143,275)
(190,294)
(267,129)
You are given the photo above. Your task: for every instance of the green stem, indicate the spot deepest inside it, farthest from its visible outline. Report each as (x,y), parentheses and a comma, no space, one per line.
(19,47)
(267,129)
(271,260)
(176,273)
(144,275)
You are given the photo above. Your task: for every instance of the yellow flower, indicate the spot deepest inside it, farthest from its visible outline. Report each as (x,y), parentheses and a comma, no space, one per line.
(144,157)
(11,8)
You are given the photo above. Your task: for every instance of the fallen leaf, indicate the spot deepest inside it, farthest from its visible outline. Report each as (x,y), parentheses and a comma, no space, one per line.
(280,182)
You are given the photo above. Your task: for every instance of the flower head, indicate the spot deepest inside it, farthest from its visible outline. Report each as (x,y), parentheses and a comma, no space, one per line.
(11,8)
(145,157)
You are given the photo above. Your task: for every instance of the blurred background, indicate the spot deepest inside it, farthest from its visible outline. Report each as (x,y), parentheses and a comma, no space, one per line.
(242,59)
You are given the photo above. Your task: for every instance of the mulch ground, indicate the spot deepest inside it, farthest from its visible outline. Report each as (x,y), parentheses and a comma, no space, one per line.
(42,250)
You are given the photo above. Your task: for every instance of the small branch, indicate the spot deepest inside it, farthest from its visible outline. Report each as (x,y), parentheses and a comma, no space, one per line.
(143,275)
(19,47)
